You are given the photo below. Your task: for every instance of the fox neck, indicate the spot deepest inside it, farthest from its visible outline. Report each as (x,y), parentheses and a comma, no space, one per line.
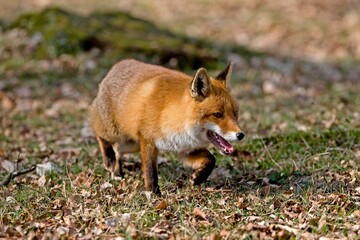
(181,142)
(182,134)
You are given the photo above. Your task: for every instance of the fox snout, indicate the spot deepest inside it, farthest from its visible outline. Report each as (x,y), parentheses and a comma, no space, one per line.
(232,131)
(234,136)
(240,136)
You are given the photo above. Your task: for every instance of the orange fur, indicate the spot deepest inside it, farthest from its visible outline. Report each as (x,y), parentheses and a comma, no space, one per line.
(161,109)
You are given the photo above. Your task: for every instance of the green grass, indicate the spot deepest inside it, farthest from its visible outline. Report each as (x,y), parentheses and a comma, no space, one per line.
(276,177)
(273,176)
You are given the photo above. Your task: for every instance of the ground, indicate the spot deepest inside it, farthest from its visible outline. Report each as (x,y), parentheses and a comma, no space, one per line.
(297,79)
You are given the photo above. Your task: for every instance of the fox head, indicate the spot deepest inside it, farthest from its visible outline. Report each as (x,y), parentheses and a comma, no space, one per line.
(215,109)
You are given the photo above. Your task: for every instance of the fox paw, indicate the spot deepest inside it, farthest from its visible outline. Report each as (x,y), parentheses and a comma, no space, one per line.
(196,180)
(155,190)
(117,176)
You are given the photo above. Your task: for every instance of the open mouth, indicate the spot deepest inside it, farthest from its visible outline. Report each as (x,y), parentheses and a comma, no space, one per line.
(220,143)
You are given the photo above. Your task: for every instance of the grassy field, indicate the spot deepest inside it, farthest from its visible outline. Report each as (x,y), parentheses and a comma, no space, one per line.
(296,175)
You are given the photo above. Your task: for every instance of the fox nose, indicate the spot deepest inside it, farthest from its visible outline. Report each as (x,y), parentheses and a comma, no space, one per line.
(240,135)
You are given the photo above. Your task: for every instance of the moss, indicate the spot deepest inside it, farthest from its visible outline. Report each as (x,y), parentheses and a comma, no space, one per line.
(118,35)
(61,31)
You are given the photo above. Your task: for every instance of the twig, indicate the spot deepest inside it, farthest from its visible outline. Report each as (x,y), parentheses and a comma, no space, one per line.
(15,174)
(289,229)
(271,158)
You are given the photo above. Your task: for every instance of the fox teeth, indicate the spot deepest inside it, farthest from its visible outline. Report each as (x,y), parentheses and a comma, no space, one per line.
(220,143)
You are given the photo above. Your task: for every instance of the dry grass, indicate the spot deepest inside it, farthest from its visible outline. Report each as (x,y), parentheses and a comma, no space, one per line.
(297,173)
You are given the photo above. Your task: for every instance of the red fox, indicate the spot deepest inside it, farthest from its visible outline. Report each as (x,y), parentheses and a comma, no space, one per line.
(148,108)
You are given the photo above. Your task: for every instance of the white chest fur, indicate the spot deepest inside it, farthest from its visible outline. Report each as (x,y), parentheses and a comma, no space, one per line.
(182,142)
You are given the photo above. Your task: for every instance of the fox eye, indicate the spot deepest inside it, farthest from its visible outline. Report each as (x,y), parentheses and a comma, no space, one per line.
(235,113)
(218,115)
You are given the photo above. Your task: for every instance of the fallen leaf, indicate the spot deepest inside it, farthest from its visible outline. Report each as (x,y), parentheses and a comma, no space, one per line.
(204,223)
(252,218)
(106,185)
(215,236)
(125,219)
(70,152)
(41,181)
(112,222)
(42,169)
(240,203)
(292,209)
(148,195)
(222,201)
(96,231)
(198,213)
(301,127)
(58,204)
(85,179)
(131,231)
(330,122)
(357,154)
(326,238)
(85,194)
(8,166)
(356,228)
(356,214)
(58,106)
(20,230)
(10,199)
(220,173)
(224,233)
(264,191)
(161,205)
(7,103)
(287,194)
(62,230)
(269,87)
(289,229)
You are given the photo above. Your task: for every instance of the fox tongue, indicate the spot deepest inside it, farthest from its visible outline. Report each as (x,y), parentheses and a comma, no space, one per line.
(220,143)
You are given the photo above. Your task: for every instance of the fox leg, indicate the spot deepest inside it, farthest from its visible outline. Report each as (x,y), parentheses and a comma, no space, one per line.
(124,146)
(149,166)
(117,169)
(111,157)
(108,154)
(203,162)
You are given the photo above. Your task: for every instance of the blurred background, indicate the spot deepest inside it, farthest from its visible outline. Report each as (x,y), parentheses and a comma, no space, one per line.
(312,29)
(304,54)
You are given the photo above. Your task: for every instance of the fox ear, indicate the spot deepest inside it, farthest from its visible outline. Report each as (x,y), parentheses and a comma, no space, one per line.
(200,85)
(225,74)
